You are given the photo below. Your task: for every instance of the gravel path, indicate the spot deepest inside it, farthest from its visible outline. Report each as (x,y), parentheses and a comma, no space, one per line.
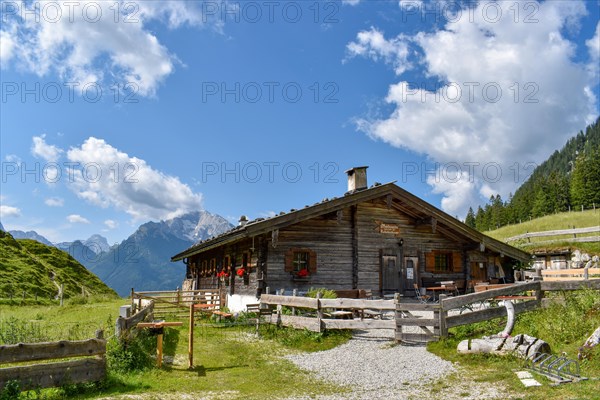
(375,368)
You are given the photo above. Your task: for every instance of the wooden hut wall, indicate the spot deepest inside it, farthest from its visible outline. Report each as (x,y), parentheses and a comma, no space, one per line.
(330,236)
(418,241)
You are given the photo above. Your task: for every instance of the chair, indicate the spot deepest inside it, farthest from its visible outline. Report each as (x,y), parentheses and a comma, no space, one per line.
(423,298)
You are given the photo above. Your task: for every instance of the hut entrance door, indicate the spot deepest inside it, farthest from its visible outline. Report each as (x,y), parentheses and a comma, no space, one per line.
(390,274)
(411,269)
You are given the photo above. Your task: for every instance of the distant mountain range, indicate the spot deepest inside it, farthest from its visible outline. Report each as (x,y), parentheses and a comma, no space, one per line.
(33,235)
(142,261)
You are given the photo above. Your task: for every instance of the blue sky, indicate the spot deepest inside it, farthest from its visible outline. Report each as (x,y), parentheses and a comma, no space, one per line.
(116,113)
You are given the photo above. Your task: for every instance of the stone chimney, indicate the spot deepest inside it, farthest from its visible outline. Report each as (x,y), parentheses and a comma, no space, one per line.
(357,179)
(243,220)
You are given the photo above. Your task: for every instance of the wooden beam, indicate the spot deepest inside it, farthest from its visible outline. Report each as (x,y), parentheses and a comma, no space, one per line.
(354,223)
(55,374)
(41,351)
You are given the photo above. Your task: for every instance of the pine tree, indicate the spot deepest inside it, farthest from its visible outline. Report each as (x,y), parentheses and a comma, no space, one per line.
(470,219)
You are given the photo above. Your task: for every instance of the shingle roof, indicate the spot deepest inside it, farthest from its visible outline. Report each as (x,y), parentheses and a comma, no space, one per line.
(410,203)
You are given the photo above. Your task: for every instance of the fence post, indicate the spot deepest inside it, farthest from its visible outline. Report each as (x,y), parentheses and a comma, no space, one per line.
(319,312)
(191,338)
(62,291)
(178,296)
(586,273)
(132,301)
(294,294)
(443,315)
(267,290)
(397,316)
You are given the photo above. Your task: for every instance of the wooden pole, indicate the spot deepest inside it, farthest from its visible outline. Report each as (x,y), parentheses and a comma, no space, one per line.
(191,338)
(62,291)
(319,312)
(159,350)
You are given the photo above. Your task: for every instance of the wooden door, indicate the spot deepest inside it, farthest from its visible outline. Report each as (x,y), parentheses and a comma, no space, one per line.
(410,273)
(390,274)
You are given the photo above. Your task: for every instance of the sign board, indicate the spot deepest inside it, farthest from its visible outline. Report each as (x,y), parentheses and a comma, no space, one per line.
(389,228)
(410,273)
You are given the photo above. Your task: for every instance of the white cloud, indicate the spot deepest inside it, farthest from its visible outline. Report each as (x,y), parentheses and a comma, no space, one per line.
(372,44)
(457,188)
(13,158)
(594,45)
(9,211)
(43,150)
(350,2)
(54,202)
(134,187)
(77,219)
(546,96)
(110,224)
(97,42)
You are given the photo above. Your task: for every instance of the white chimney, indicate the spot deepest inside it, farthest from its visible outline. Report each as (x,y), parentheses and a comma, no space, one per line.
(357,179)
(243,220)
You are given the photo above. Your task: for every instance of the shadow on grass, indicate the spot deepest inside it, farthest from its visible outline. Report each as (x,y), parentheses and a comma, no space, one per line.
(200,370)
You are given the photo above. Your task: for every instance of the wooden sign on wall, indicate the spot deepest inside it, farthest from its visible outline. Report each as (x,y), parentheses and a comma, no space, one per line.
(389,228)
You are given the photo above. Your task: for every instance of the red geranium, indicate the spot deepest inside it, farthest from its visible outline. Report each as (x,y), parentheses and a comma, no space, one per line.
(240,272)
(303,273)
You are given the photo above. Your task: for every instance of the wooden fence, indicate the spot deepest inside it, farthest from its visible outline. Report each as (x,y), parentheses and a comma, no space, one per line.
(572,274)
(572,233)
(177,302)
(144,312)
(321,314)
(92,368)
(414,322)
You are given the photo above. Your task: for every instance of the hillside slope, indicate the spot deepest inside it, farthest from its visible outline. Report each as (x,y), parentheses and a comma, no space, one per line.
(565,220)
(35,268)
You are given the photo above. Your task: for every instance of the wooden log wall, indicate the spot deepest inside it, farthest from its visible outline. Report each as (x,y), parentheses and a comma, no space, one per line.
(330,236)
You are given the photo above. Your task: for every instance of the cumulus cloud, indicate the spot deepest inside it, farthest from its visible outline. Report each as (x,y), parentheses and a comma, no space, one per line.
(350,2)
(9,211)
(109,177)
(111,224)
(45,151)
(77,219)
(54,202)
(372,44)
(88,41)
(508,94)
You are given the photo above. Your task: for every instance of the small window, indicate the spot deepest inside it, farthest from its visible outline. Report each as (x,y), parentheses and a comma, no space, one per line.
(300,259)
(443,262)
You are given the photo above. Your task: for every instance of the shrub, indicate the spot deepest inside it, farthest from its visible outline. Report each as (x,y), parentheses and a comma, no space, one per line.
(325,293)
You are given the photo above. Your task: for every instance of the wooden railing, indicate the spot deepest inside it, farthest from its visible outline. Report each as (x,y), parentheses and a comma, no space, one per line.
(177,302)
(561,232)
(573,274)
(125,324)
(415,321)
(92,368)
(324,312)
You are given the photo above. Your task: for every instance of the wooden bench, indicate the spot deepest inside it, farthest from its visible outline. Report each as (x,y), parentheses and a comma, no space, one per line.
(222,314)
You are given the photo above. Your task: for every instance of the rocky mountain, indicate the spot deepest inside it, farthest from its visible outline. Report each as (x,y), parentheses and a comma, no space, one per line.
(1,227)
(33,235)
(142,261)
(97,243)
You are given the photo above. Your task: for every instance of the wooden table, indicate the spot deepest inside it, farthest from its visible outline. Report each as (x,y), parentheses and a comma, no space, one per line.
(436,289)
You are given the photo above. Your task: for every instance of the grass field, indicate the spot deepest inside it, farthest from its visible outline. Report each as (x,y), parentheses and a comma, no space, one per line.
(566,220)
(228,360)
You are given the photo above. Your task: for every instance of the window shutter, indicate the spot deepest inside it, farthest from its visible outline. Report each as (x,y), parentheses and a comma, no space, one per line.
(289,258)
(430,262)
(312,262)
(457,262)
